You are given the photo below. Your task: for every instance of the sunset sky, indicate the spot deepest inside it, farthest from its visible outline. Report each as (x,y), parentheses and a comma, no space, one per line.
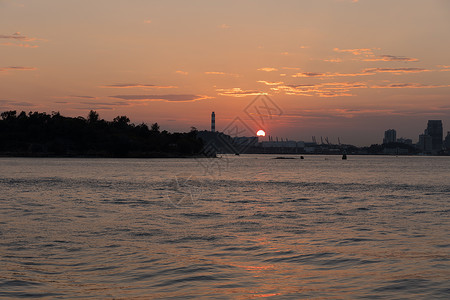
(334,68)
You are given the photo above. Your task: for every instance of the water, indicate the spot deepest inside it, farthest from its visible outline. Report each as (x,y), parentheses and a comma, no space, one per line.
(239,227)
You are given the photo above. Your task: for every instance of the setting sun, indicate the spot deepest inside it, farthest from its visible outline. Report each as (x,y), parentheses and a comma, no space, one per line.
(261,133)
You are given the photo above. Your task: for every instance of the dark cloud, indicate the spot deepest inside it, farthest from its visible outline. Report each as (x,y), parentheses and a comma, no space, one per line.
(169,98)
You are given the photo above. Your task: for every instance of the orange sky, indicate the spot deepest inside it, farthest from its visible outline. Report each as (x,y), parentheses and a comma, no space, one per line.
(334,68)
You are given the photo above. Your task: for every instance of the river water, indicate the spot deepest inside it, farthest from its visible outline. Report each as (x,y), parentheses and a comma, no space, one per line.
(237,227)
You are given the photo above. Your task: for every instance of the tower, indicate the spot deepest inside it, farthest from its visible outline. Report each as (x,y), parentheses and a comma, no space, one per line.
(213,122)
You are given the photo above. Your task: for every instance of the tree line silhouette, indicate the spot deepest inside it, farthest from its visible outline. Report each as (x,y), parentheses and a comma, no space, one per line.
(42,134)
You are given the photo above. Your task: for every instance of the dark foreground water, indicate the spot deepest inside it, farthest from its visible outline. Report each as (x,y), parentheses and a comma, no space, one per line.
(233,228)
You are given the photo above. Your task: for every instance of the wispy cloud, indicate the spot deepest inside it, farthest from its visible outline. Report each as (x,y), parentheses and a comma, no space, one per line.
(396,71)
(407,86)
(221,73)
(270,83)
(12,103)
(365,72)
(391,58)
(331,89)
(357,51)
(116,103)
(238,92)
(309,74)
(168,98)
(81,96)
(182,72)
(15,68)
(267,69)
(444,68)
(17,36)
(19,45)
(329,74)
(334,60)
(137,85)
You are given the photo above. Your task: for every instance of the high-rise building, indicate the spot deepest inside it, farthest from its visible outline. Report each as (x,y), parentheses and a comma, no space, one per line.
(390,136)
(213,122)
(447,141)
(434,129)
(425,143)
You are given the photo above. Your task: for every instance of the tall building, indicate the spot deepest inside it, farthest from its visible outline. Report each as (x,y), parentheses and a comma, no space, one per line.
(213,122)
(447,141)
(425,143)
(390,136)
(434,129)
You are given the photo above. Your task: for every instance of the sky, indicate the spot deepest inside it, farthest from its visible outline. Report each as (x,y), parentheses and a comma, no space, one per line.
(347,69)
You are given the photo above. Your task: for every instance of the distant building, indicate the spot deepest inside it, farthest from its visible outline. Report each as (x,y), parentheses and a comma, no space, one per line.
(434,129)
(245,141)
(405,141)
(425,143)
(447,141)
(390,136)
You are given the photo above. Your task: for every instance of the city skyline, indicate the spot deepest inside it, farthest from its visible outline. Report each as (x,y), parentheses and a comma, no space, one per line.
(337,68)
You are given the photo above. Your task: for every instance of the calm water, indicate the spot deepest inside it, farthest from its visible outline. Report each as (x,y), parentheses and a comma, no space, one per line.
(240,227)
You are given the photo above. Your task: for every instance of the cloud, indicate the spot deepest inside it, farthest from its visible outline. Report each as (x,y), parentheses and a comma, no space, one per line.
(309,74)
(267,69)
(12,103)
(148,21)
(335,60)
(391,58)
(17,36)
(224,26)
(270,83)
(137,85)
(221,73)
(331,89)
(117,103)
(408,86)
(444,68)
(19,45)
(168,98)
(182,72)
(82,97)
(238,92)
(357,51)
(15,68)
(396,71)
(329,74)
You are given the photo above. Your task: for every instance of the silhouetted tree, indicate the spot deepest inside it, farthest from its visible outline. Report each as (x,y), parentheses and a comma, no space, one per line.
(43,134)
(92,117)
(154,127)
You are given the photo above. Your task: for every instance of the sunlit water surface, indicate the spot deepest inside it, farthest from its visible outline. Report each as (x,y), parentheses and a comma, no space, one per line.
(239,227)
